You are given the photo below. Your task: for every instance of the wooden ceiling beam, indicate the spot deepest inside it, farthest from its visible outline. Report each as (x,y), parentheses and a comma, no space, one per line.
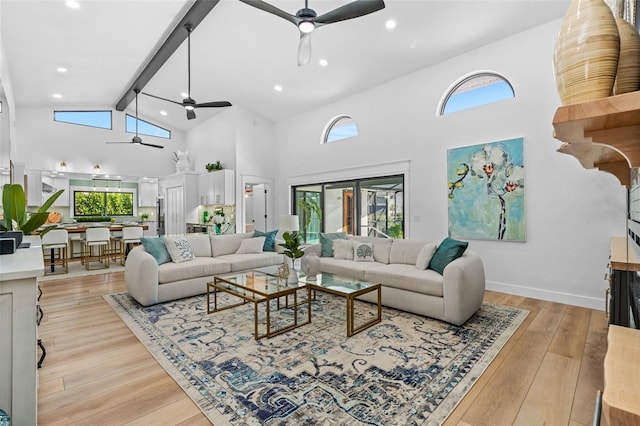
(193,17)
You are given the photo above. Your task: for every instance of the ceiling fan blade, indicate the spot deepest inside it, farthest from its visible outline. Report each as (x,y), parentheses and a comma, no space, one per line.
(304,49)
(117,142)
(162,99)
(151,145)
(349,11)
(259,4)
(191,114)
(217,104)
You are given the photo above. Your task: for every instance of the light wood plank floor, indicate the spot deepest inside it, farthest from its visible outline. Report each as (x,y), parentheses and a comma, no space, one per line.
(96,372)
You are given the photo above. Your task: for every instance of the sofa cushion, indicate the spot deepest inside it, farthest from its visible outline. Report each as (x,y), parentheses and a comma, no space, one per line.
(406,277)
(251,245)
(326,242)
(363,252)
(448,251)
(381,246)
(348,268)
(200,244)
(196,268)
(156,248)
(343,249)
(241,262)
(425,255)
(179,249)
(406,251)
(269,239)
(227,243)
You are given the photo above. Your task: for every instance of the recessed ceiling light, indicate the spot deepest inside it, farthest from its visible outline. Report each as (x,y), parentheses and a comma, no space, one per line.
(163,112)
(57,95)
(62,69)
(390,24)
(323,62)
(277,88)
(72,4)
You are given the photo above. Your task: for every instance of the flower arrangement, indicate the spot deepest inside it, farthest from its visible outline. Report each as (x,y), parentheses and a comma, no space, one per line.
(219,219)
(213,166)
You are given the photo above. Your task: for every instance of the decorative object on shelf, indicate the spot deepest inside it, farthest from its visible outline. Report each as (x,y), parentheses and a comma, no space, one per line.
(213,167)
(283,270)
(486,191)
(310,265)
(144,216)
(182,161)
(586,54)
(205,216)
(15,215)
(628,73)
(292,250)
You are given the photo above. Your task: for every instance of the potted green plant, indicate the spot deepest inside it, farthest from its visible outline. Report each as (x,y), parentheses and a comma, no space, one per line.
(212,167)
(15,216)
(144,216)
(292,250)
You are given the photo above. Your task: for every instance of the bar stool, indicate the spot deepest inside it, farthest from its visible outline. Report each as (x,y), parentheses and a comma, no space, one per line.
(95,247)
(55,250)
(130,237)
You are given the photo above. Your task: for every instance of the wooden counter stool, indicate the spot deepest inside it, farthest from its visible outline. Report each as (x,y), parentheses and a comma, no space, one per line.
(55,249)
(95,247)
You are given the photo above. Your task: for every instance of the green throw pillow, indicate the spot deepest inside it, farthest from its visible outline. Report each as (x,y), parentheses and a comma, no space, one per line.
(448,251)
(326,242)
(269,240)
(156,248)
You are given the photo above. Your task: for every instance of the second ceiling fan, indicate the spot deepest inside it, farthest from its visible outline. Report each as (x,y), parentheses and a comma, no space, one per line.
(189,103)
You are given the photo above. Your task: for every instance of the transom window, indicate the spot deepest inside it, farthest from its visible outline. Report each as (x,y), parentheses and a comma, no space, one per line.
(476,90)
(146,128)
(100,119)
(341,127)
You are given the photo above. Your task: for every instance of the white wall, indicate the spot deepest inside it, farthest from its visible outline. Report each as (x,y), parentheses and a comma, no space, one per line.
(43,143)
(7,127)
(571,213)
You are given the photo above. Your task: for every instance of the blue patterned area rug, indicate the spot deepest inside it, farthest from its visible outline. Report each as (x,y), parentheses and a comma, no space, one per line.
(406,370)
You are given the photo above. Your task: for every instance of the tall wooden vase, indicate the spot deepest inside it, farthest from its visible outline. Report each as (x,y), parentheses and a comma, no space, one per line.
(586,54)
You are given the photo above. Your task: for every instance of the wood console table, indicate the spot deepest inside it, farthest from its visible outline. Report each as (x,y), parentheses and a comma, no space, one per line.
(621,397)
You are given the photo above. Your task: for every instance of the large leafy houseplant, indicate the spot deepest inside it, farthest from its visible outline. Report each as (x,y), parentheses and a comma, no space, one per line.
(15,216)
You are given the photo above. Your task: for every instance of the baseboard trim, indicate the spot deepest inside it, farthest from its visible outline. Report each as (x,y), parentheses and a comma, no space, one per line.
(551,296)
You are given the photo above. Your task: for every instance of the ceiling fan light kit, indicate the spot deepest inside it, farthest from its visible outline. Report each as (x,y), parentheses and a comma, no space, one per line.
(307,20)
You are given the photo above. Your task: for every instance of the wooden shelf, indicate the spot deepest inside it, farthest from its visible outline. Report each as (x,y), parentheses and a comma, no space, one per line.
(603,134)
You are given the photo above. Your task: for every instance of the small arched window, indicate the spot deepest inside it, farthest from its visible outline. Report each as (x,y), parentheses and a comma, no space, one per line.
(341,127)
(476,90)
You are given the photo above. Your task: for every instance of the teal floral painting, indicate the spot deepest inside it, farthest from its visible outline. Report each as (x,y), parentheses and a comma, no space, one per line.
(486,191)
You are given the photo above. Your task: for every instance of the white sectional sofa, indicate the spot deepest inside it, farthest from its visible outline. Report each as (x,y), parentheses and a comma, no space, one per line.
(150,283)
(453,296)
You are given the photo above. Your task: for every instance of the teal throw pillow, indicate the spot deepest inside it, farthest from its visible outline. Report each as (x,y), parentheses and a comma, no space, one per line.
(156,248)
(448,251)
(269,240)
(326,242)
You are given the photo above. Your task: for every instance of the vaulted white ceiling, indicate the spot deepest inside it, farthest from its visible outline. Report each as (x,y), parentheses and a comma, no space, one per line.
(239,53)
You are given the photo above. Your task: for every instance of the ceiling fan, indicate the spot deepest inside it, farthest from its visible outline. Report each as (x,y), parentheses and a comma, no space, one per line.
(137,140)
(189,103)
(308,20)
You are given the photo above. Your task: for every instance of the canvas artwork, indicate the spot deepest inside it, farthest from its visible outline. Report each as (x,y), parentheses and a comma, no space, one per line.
(486,191)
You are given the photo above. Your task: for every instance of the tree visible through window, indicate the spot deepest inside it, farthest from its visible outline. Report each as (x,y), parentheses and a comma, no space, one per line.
(476,90)
(89,203)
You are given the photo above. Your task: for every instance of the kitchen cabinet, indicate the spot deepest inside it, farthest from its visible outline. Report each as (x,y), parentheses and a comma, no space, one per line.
(217,188)
(51,185)
(34,188)
(147,194)
(181,201)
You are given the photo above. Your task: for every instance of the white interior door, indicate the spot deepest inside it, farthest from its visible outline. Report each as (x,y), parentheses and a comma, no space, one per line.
(259,208)
(175,211)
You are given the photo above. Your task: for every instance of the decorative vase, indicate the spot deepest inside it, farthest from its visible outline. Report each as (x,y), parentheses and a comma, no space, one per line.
(218,228)
(293,274)
(310,265)
(586,55)
(628,74)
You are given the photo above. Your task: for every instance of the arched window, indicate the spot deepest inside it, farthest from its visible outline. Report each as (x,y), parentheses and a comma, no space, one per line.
(476,90)
(341,127)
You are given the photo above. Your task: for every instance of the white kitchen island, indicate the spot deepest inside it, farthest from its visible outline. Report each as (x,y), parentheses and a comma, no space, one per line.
(18,331)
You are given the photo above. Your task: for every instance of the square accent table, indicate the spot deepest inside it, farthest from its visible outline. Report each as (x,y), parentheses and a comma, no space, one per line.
(349,288)
(258,287)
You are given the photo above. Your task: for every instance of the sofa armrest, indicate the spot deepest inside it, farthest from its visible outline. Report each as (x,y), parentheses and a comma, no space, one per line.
(141,276)
(463,284)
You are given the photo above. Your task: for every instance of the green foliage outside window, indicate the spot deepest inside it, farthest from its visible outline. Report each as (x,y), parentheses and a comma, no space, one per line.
(103,203)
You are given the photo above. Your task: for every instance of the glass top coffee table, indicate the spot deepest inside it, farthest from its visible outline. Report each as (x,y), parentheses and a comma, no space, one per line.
(350,289)
(259,286)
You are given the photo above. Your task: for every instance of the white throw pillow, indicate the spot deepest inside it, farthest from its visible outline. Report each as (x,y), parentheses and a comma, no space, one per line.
(251,245)
(363,252)
(343,249)
(425,255)
(179,249)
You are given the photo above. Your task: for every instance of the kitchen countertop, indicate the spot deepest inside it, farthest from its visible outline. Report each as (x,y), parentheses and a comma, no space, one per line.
(24,263)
